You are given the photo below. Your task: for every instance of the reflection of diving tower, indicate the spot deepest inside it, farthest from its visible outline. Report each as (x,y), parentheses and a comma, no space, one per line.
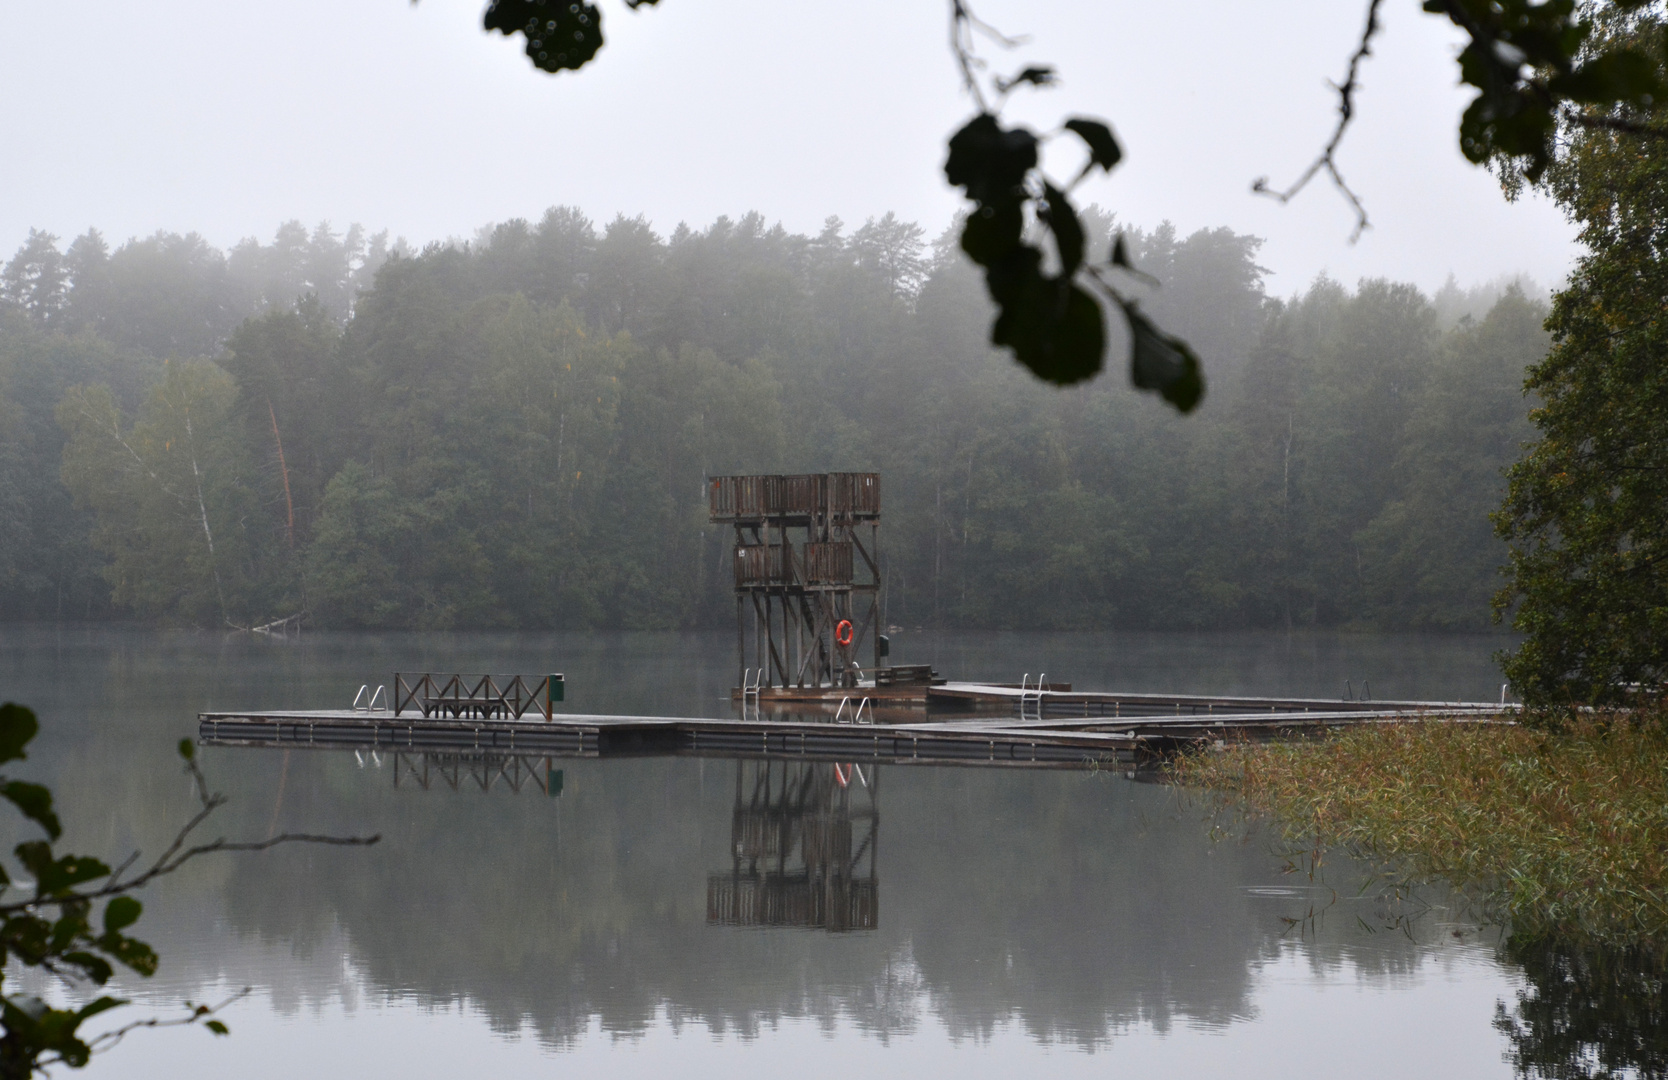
(805,579)
(803,848)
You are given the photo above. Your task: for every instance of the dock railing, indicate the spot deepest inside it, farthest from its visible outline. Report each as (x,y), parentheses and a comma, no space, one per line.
(477,697)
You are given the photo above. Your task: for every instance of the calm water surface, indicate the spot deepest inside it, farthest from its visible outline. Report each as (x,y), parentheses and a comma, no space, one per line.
(1086,924)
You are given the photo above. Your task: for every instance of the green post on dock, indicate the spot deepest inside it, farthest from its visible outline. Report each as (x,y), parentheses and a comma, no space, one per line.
(555,687)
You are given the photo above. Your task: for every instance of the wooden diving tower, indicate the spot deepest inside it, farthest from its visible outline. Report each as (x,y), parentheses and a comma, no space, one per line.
(807,576)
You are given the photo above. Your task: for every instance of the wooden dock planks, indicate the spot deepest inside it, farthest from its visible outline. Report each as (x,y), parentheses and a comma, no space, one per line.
(1158,724)
(986,697)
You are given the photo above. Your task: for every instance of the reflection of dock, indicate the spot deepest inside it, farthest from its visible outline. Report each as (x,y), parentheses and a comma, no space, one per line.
(802,842)
(428,770)
(1053,728)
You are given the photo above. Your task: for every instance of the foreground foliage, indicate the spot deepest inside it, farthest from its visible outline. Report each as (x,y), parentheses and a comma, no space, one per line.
(1561,833)
(1586,514)
(71,925)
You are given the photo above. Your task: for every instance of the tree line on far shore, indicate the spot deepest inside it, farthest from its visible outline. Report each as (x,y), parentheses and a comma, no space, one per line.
(515,431)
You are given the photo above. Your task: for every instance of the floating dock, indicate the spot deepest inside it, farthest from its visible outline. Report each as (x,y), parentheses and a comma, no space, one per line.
(1062,700)
(1055,728)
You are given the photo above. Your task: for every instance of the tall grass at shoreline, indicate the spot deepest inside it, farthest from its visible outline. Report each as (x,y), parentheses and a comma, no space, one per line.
(1563,832)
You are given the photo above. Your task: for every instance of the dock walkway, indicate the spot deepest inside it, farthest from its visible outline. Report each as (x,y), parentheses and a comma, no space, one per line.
(987,697)
(1058,729)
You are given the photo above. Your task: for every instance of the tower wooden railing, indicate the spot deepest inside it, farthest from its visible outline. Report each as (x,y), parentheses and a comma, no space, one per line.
(853,496)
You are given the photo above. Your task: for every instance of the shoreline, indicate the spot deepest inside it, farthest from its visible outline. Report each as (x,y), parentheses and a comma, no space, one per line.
(1561,832)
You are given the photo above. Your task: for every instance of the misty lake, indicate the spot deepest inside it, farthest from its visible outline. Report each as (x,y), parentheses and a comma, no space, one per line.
(1021,920)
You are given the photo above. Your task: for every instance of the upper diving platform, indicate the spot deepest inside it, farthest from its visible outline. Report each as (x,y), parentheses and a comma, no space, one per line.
(794,500)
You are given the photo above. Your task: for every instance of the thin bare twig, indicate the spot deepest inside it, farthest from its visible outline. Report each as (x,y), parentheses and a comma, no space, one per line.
(1327,161)
(198,1012)
(122,867)
(961,46)
(963,25)
(1619,124)
(177,854)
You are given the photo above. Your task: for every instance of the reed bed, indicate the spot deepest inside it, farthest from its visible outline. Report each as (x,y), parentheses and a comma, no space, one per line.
(1563,832)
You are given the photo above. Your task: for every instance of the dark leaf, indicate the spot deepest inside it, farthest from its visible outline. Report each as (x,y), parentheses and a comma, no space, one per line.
(1015,276)
(992,232)
(1618,75)
(560,36)
(17,726)
(1053,326)
(135,954)
(71,927)
(1120,253)
(54,876)
(1163,363)
(1078,347)
(35,802)
(188,749)
(1103,147)
(30,1023)
(27,936)
(214,1025)
(103,1004)
(1036,76)
(94,967)
(34,854)
(1068,231)
(989,161)
(1524,130)
(121,913)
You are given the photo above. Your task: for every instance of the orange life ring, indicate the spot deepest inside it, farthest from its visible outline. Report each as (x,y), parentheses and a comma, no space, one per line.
(842,633)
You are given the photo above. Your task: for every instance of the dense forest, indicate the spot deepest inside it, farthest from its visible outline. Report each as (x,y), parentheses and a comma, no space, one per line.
(514,430)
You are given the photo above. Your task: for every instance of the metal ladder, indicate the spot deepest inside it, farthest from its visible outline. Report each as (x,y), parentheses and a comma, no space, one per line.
(1027,692)
(857,714)
(380,694)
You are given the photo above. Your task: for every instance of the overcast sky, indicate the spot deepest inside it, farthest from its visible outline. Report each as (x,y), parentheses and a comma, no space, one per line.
(229,117)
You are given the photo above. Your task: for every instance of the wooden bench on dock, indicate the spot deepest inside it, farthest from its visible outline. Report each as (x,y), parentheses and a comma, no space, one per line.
(907,675)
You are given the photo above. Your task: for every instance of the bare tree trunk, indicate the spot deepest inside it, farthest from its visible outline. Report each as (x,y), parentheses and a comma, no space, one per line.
(284,469)
(202,509)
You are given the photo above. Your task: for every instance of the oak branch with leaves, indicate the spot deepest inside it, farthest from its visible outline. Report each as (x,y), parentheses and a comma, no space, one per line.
(54,931)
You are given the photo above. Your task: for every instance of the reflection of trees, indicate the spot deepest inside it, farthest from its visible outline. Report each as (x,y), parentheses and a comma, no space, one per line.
(801,853)
(1070,904)
(1589,1011)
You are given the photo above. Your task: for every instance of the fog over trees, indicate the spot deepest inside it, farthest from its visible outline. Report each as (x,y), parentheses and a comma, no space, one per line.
(514,431)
